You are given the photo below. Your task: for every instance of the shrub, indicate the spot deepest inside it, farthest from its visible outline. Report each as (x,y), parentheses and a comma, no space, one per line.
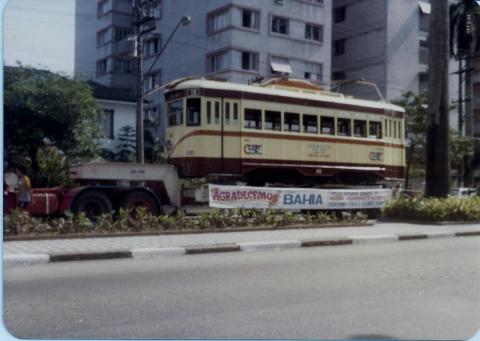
(436,209)
(21,223)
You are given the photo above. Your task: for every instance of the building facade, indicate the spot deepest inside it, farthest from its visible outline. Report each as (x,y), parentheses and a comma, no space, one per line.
(235,40)
(384,42)
(476,100)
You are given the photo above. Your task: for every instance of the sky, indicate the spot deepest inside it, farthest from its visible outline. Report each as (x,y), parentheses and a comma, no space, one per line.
(40,33)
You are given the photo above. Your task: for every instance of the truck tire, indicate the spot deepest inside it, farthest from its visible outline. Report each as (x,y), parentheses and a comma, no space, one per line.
(137,198)
(92,203)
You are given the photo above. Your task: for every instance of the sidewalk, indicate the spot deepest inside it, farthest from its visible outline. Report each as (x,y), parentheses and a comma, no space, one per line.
(44,251)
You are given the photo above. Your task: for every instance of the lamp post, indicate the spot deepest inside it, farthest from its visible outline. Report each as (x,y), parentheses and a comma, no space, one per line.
(184,21)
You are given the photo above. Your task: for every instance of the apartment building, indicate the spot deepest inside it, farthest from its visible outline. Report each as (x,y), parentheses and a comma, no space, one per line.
(476,100)
(236,40)
(382,41)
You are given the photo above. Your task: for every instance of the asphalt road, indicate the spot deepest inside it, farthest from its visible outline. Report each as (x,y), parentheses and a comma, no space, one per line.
(425,289)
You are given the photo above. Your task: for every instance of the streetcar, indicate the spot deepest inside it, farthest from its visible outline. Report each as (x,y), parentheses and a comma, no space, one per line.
(281,130)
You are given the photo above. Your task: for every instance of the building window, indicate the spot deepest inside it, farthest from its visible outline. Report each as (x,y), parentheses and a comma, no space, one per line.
(313,72)
(344,127)
(105,121)
(291,122)
(175,113)
(216,62)
(121,33)
(423,81)
(103,7)
(122,66)
(249,60)
(123,6)
(152,80)
(273,120)
(310,124)
(104,37)
(314,32)
(250,19)
(280,66)
(339,76)
(339,47)
(101,66)
(152,46)
(193,111)
(151,114)
(218,21)
(327,125)
(340,14)
(253,119)
(279,25)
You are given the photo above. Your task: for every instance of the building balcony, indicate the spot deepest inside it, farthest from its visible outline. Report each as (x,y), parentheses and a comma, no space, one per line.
(123,48)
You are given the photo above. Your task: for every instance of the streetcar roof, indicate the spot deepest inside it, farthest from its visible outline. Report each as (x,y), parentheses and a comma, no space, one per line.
(189,83)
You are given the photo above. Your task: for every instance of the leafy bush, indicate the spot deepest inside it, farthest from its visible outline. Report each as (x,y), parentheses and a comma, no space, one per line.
(443,209)
(21,223)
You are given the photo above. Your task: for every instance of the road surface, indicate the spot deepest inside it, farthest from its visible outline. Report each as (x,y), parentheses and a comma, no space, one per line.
(427,289)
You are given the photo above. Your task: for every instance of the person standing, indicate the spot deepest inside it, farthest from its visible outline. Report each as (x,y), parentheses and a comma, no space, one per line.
(25,196)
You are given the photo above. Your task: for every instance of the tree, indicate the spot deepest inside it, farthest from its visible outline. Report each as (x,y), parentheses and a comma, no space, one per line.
(415,129)
(126,147)
(437,170)
(40,104)
(460,148)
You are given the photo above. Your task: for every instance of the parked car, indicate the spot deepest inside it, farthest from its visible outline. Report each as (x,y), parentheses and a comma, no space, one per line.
(463,192)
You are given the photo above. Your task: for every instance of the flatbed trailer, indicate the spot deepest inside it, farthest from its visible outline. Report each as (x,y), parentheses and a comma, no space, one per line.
(105,187)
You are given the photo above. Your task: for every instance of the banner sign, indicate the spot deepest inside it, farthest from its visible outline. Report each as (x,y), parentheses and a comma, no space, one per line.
(296,198)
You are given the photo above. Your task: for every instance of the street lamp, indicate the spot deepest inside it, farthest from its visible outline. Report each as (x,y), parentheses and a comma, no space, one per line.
(184,21)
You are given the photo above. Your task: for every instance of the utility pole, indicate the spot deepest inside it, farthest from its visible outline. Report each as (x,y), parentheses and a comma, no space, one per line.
(144,22)
(142,14)
(437,172)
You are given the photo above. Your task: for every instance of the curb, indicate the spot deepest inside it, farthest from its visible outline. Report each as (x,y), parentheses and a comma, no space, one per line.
(10,260)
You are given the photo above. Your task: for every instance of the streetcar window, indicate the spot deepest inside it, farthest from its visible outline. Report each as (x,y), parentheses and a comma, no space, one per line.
(390,134)
(359,128)
(235,114)
(227,113)
(193,111)
(291,122)
(344,127)
(375,130)
(253,119)
(209,112)
(175,113)
(395,129)
(273,120)
(327,125)
(217,112)
(310,124)
(386,128)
